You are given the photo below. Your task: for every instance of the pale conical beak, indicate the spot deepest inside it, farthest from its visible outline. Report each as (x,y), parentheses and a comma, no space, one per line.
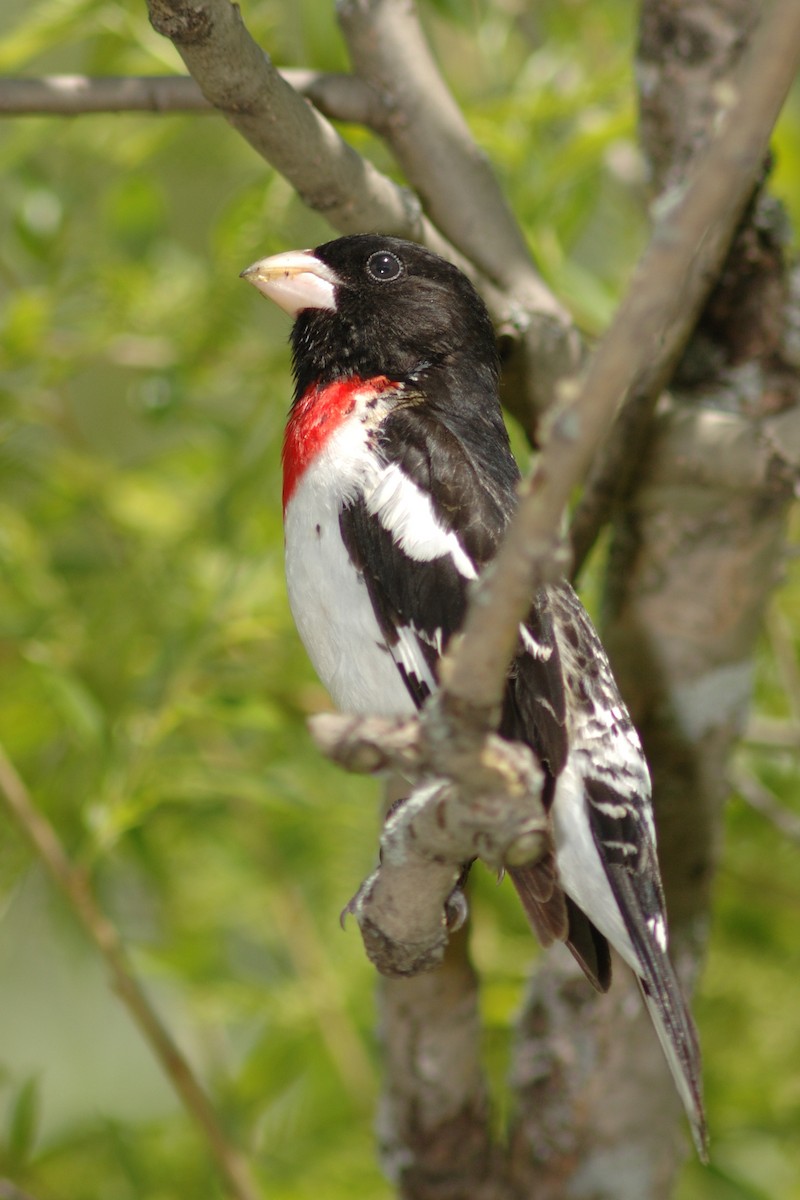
(295,280)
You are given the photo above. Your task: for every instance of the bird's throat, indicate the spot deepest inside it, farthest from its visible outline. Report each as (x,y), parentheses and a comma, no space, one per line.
(315,417)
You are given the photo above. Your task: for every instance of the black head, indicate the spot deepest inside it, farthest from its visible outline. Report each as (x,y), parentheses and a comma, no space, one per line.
(372,305)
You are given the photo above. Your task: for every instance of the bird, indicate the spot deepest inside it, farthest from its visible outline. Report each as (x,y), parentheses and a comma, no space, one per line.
(398,484)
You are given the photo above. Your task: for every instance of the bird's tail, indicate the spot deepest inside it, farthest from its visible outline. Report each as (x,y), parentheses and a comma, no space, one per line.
(676,1031)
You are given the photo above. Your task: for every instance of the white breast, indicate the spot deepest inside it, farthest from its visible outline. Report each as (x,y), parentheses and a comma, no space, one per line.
(328,596)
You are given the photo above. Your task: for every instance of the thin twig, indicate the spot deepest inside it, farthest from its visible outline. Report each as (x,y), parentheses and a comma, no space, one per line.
(687,245)
(340,97)
(766,734)
(74,886)
(76,95)
(767,804)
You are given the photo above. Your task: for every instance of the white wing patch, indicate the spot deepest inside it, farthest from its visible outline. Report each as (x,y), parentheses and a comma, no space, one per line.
(408,514)
(407,653)
(536,649)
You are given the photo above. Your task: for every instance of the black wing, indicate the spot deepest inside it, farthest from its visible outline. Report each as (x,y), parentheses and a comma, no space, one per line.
(419,592)
(420,600)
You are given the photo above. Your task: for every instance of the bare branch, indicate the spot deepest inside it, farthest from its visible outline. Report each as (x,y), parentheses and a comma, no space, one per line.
(766,734)
(434,1109)
(74,95)
(339,97)
(433,144)
(695,223)
(764,801)
(74,886)
(434,1122)
(237,77)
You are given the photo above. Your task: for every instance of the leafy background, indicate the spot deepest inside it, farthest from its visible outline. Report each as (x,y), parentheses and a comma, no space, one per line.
(153,691)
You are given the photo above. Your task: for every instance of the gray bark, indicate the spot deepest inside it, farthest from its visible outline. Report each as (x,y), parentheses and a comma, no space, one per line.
(697,547)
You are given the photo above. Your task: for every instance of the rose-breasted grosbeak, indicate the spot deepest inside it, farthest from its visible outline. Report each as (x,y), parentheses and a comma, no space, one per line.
(398,484)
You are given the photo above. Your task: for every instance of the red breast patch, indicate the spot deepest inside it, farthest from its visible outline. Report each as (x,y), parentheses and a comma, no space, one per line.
(315,417)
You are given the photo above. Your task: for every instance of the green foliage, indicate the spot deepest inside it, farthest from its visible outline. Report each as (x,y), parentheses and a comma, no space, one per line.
(154,692)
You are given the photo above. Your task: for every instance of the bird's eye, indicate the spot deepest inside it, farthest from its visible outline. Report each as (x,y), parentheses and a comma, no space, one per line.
(384,266)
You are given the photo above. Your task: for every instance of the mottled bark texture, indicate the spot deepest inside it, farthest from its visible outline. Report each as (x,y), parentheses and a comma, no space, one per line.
(686,56)
(434,1127)
(697,547)
(464,794)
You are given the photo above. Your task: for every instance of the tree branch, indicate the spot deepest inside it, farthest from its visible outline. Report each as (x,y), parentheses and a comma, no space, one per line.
(471,798)
(695,554)
(339,97)
(693,228)
(75,888)
(434,1124)
(74,95)
(237,77)
(432,142)
(749,107)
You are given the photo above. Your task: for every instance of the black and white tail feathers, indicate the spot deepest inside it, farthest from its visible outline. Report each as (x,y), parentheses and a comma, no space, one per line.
(667,1006)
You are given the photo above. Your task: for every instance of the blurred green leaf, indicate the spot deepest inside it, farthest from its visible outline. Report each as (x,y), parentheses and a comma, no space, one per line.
(23,1124)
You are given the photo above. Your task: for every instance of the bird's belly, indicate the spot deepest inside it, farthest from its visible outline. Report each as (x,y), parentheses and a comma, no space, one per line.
(335,618)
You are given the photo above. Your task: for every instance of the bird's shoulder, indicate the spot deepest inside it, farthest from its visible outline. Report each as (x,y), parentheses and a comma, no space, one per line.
(419,527)
(461,460)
